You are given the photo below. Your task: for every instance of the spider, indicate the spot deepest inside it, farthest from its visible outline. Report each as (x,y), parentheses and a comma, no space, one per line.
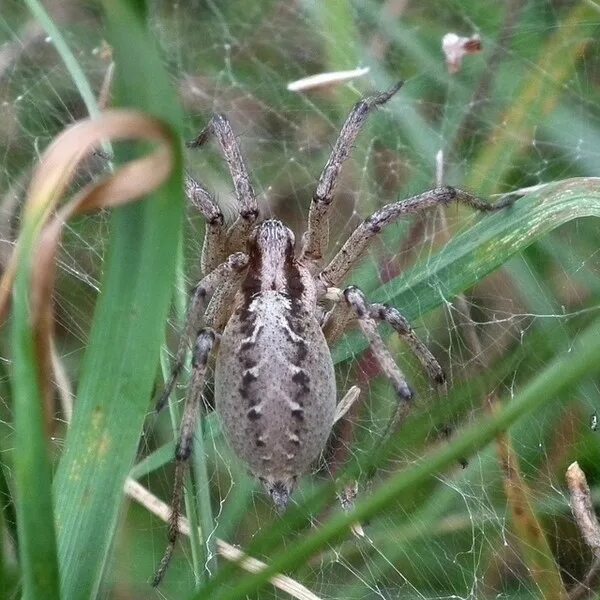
(270,311)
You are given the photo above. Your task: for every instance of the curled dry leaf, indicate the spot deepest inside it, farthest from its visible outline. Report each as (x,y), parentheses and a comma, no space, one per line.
(456,48)
(43,222)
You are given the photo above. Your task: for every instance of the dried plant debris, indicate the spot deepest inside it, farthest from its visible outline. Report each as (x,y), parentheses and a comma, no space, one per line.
(325,79)
(44,217)
(231,553)
(583,508)
(456,47)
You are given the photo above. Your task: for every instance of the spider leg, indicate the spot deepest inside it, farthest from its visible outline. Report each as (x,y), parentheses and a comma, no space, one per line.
(214,247)
(351,304)
(343,313)
(220,127)
(220,282)
(368,325)
(335,272)
(317,236)
(393,317)
(203,348)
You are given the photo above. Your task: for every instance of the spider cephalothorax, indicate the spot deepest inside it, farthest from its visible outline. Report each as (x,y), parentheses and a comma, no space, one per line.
(271,313)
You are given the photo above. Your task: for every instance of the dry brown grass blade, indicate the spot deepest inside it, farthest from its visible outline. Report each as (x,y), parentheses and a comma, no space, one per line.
(140,494)
(534,547)
(45,222)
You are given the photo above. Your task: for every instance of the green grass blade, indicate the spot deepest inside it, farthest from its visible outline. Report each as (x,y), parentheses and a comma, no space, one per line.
(197,495)
(193,502)
(121,359)
(156,460)
(33,475)
(537,98)
(7,503)
(568,368)
(481,249)
(76,72)
(3,576)
(204,507)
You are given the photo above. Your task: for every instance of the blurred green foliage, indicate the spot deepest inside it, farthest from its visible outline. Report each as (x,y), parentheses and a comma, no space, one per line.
(523,112)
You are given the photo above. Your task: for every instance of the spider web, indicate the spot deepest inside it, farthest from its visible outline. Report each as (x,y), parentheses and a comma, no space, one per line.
(455,538)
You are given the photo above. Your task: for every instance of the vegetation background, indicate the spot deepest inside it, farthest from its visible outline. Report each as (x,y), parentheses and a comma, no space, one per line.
(508,303)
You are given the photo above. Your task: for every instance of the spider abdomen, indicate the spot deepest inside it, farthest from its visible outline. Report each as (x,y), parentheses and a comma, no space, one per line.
(275,387)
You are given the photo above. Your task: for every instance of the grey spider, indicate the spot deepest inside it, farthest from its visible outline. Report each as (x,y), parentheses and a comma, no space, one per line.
(262,309)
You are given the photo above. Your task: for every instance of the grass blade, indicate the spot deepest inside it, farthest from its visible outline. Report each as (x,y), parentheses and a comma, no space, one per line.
(76,72)
(122,355)
(193,502)
(202,487)
(156,460)
(481,249)
(32,269)
(561,374)
(537,99)
(532,540)
(33,477)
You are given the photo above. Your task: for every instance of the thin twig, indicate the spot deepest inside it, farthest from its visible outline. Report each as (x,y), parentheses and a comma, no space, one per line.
(583,508)
(162,510)
(587,522)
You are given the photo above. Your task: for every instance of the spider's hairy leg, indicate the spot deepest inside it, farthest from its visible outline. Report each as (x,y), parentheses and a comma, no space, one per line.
(214,247)
(316,238)
(203,348)
(357,302)
(393,317)
(220,127)
(335,272)
(226,275)
(344,312)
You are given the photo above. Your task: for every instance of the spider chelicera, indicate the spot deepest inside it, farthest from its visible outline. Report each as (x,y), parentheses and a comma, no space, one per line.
(270,311)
